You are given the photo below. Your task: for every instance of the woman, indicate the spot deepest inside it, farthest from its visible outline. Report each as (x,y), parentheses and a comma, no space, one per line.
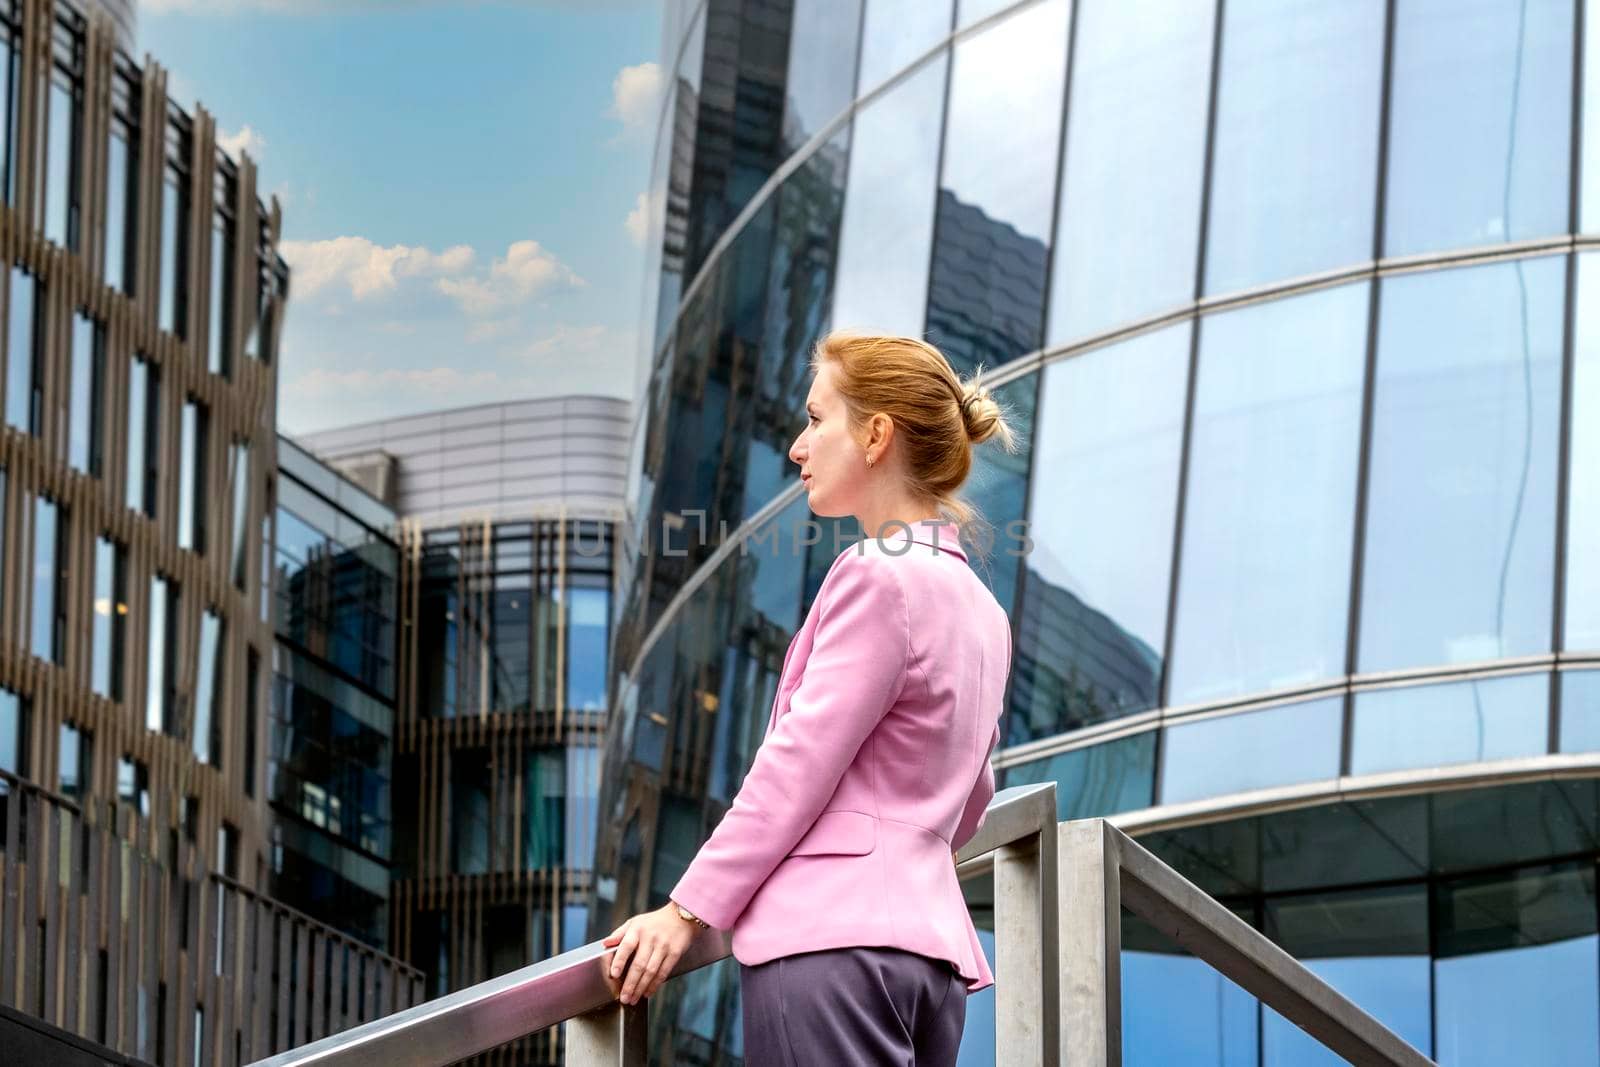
(833,866)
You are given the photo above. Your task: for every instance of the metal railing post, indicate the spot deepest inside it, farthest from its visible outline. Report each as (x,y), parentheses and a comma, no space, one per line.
(1090,945)
(1025,952)
(609,1037)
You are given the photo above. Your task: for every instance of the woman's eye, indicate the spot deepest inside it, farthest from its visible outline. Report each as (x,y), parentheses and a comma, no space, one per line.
(812,418)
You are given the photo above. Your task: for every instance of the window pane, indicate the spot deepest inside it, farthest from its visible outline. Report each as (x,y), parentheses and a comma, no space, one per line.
(895,32)
(1459,722)
(133,784)
(583,794)
(10,63)
(159,712)
(59,196)
(144,407)
(822,66)
(986,294)
(192,478)
(469,810)
(207,688)
(588,613)
(1589,205)
(73,760)
(239,476)
(1264,589)
(1480,126)
(544,809)
(887,232)
(1294,172)
(1096,780)
(22,379)
(1130,197)
(1580,711)
(1177,1009)
(174,265)
(87,374)
(1094,608)
(46,578)
(13,734)
(119,195)
(109,619)
(1462,505)
(1254,750)
(218,361)
(1516,977)
(1582,623)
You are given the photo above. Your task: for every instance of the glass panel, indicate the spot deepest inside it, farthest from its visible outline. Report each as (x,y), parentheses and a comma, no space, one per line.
(1461,510)
(46,578)
(1264,586)
(1098,780)
(1094,607)
(1580,711)
(1256,750)
(22,379)
(218,361)
(133,784)
(544,792)
(1130,199)
(997,487)
(74,760)
(207,690)
(822,66)
(192,478)
(895,32)
(109,621)
(83,416)
(1582,618)
(1294,170)
(239,476)
(174,257)
(469,810)
(1178,1009)
(1460,722)
(119,195)
(1516,981)
(160,715)
(970,11)
(886,235)
(986,293)
(1480,125)
(588,615)
(13,734)
(583,792)
(1369,944)
(10,64)
(59,196)
(1589,213)
(144,399)
(574,926)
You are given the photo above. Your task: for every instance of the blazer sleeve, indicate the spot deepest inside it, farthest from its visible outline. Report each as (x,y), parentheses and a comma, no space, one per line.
(854,673)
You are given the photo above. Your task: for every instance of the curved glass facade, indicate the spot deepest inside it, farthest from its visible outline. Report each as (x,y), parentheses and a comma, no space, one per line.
(1299,307)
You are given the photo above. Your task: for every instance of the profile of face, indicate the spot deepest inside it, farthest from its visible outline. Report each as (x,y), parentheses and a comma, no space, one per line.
(833,464)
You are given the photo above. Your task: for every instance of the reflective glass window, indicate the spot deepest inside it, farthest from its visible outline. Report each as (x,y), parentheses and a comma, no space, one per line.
(1179,1009)
(23,380)
(588,617)
(49,541)
(1480,123)
(252,716)
(1458,722)
(469,810)
(1294,168)
(822,66)
(886,235)
(679,127)
(1580,711)
(258,342)
(991,241)
(192,478)
(13,734)
(1253,750)
(144,407)
(1129,219)
(583,799)
(970,11)
(219,359)
(1461,505)
(59,195)
(1369,944)
(1098,779)
(997,486)
(895,32)
(1515,980)
(574,926)
(74,760)
(133,784)
(1582,617)
(88,384)
(208,689)
(239,478)
(109,620)
(121,175)
(544,792)
(10,71)
(1094,607)
(160,672)
(1264,582)
(1589,206)
(174,317)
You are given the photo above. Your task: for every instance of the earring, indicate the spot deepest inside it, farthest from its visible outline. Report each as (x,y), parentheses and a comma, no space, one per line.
(869,461)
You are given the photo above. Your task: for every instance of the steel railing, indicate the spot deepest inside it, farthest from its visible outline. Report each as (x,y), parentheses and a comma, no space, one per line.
(1058,893)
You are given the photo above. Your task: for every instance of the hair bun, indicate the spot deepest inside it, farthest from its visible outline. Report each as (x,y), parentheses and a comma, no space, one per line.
(981,414)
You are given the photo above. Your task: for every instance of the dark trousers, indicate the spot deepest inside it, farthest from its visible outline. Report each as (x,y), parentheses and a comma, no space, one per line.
(852,1007)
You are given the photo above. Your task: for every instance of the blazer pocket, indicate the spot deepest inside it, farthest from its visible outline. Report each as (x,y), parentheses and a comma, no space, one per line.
(839,833)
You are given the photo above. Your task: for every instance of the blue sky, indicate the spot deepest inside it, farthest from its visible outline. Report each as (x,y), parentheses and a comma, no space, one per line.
(461,183)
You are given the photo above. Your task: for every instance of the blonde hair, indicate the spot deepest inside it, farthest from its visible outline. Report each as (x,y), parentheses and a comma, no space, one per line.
(938,416)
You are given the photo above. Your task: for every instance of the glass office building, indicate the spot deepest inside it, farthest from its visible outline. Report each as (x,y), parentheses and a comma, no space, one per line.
(1298,306)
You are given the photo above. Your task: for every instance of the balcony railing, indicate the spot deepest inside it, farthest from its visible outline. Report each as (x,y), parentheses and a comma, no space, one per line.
(166,962)
(1059,890)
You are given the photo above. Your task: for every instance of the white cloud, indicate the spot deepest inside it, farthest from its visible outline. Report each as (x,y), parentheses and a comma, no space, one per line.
(638,221)
(245,140)
(367,269)
(635,95)
(524,271)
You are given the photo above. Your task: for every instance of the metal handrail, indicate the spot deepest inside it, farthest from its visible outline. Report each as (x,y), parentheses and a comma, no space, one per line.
(1016,837)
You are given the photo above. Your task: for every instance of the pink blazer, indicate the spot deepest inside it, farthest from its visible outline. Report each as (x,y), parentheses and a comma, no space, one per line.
(875,766)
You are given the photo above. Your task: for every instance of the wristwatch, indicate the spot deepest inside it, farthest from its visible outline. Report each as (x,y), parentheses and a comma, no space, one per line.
(689,916)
